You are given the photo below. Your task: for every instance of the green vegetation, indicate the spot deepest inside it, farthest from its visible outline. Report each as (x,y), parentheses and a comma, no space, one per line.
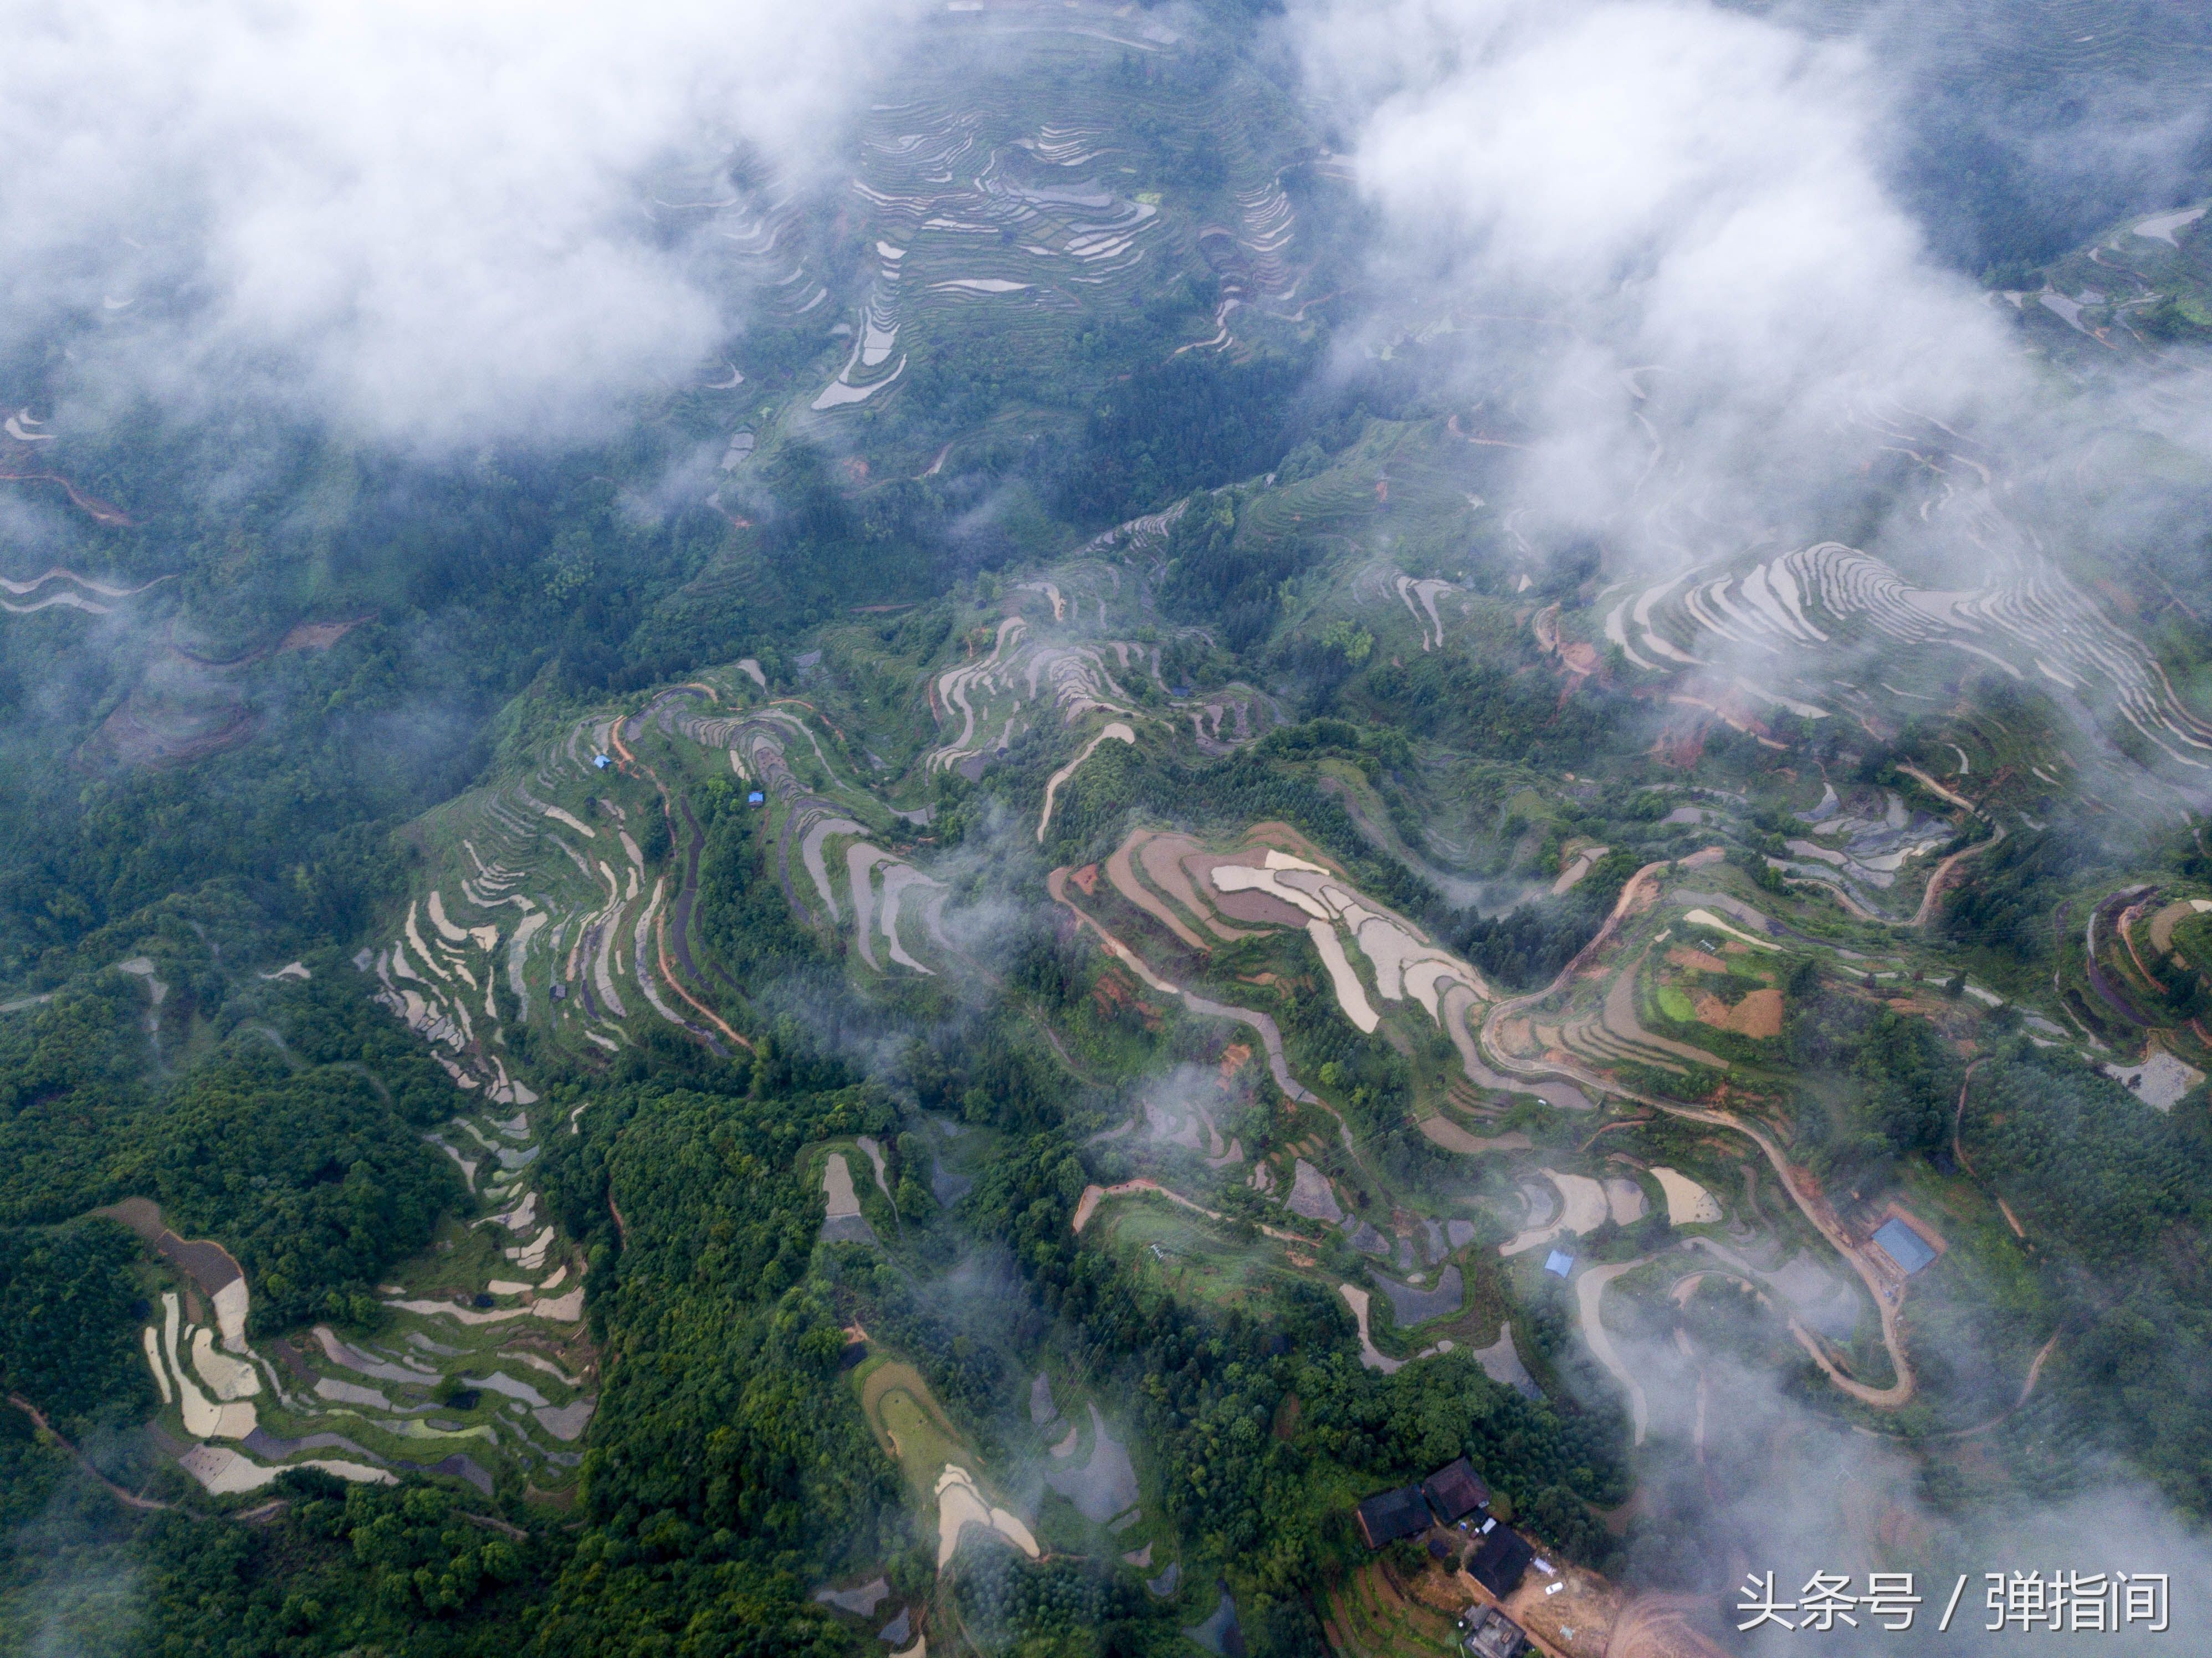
(727,1462)
(314,1178)
(1527,946)
(2116,1192)
(68,1325)
(1894,1083)
(323,928)
(334,1570)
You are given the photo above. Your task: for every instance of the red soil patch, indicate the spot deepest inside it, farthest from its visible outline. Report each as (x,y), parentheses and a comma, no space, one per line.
(1681,746)
(126,739)
(1697,959)
(317,635)
(1113,992)
(1759,1014)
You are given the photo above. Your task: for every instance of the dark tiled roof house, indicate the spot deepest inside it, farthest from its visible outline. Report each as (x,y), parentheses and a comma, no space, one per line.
(1500,1561)
(1456,1490)
(1393,1515)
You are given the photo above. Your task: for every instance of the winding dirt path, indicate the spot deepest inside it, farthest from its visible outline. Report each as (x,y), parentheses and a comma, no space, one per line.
(2027,1392)
(1811,1204)
(668,973)
(1119,732)
(1270,1035)
(1514,1006)
(98,511)
(1816,1209)
(1929,899)
(687,896)
(83,1461)
(2035,1371)
(1959,1118)
(1589,1299)
(1958,1151)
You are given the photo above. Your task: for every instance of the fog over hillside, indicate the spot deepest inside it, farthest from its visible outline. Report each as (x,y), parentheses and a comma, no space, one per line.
(421,223)
(919,826)
(1701,309)
(1696,204)
(1681,193)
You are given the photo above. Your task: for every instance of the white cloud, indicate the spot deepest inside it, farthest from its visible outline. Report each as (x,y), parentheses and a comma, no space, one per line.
(422,220)
(1689,190)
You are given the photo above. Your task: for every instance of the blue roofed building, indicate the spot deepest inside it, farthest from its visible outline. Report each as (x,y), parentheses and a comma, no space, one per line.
(1559,1263)
(1903,1245)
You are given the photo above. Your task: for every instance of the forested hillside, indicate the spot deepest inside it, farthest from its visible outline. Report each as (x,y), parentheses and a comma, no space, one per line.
(875,830)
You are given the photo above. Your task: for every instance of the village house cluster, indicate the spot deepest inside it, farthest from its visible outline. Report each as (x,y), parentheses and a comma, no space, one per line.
(1451,1510)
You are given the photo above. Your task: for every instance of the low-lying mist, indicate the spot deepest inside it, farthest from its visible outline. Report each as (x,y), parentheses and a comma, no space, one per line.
(421,224)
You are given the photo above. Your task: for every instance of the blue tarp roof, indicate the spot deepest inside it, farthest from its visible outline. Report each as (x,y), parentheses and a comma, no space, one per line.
(1903,1245)
(1560,1261)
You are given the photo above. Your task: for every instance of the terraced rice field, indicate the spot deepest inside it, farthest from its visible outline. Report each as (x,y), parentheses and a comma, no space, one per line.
(1062,656)
(987,206)
(486,1388)
(1184,887)
(2026,621)
(538,907)
(1366,1615)
(909,1422)
(66,587)
(993,215)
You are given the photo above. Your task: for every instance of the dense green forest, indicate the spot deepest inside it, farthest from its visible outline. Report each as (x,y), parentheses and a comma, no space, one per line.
(298,1149)
(1896,1079)
(2118,1189)
(335,1569)
(69,1313)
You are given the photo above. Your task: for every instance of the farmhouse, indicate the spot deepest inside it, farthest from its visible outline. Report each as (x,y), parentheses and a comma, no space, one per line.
(1491,1634)
(1500,1560)
(1446,1496)
(1903,1245)
(1456,1490)
(1906,1240)
(1393,1515)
